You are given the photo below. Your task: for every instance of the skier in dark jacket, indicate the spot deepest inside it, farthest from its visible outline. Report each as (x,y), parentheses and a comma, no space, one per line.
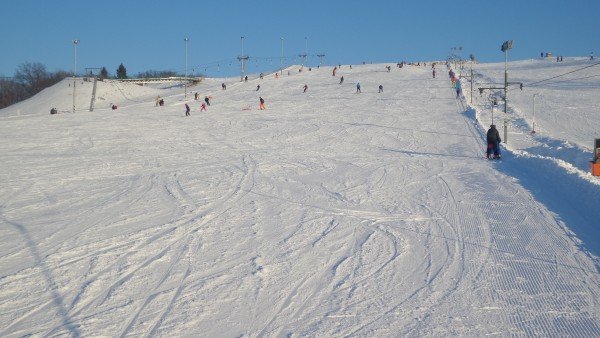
(493,142)
(187,110)
(207,100)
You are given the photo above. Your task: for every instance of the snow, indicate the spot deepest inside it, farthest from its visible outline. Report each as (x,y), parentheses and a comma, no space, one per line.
(329,213)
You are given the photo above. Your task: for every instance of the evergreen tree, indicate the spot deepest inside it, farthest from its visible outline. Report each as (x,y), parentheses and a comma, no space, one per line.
(121,72)
(103,73)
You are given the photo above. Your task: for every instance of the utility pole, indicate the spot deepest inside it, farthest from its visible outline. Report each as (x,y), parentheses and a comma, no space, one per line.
(186,40)
(470,77)
(75,43)
(243,59)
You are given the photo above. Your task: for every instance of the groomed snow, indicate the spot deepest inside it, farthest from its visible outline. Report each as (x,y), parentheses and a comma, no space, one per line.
(330,213)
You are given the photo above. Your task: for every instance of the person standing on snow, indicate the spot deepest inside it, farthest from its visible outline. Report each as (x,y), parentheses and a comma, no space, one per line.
(341,80)
(458,89)
(203,107)
(262,103)
(334,70)
(223,86)
(305,88)
(187,110)
(358,88)
(207,100)
(493,142)
(381,88)
(433,73)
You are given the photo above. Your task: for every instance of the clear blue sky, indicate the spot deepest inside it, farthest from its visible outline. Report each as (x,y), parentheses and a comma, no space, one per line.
(148,35)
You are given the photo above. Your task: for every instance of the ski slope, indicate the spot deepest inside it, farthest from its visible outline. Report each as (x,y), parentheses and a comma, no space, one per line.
(330,213)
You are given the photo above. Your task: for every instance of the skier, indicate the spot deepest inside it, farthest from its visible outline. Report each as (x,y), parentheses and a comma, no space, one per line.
(246,78)
(458,89)
(358,88)
(381,88)
(207,100)
(223,86)
(433,72)
(187,110)
(334,70)
(157,100)
(493,142)
(196,96)
(341,80)
(257,87)
(203,107)
(262,103)
(305,88)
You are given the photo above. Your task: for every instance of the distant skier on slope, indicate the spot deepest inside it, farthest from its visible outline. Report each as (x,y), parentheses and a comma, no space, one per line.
(203,107)
(262,103)
(207,100)
(433,73)
(381,88)
(257,87)
(341,80)
(305,88)
(187,110)
(493,142)
(358,88)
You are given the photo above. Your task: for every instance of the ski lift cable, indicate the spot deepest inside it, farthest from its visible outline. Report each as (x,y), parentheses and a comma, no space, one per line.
(554,77)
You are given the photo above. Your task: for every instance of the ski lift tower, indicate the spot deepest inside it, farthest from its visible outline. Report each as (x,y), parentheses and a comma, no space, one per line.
(303,56)
(320,56)
(243,59)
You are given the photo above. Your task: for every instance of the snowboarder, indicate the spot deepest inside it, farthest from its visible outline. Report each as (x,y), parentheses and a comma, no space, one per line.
(493,142)
(187,110)
(341,80)
(358,88)
(381,88)
(262,103)
(207,100)
(305,88)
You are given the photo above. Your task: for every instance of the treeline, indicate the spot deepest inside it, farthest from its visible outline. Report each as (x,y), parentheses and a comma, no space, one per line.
(32,78)
(29,79)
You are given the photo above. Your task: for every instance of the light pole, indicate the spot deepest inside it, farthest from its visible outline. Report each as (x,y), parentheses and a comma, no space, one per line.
(505,47)
(533,123)
(186,40)
(75,43)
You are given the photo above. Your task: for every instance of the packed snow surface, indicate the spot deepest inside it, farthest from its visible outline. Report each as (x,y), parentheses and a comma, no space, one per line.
(330,213)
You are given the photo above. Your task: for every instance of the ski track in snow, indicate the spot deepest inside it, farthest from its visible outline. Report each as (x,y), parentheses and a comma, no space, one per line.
(328,214)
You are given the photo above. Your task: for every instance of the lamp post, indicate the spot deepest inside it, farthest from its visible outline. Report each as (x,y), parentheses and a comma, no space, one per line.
(186,40)
(505,47)
(75,43)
